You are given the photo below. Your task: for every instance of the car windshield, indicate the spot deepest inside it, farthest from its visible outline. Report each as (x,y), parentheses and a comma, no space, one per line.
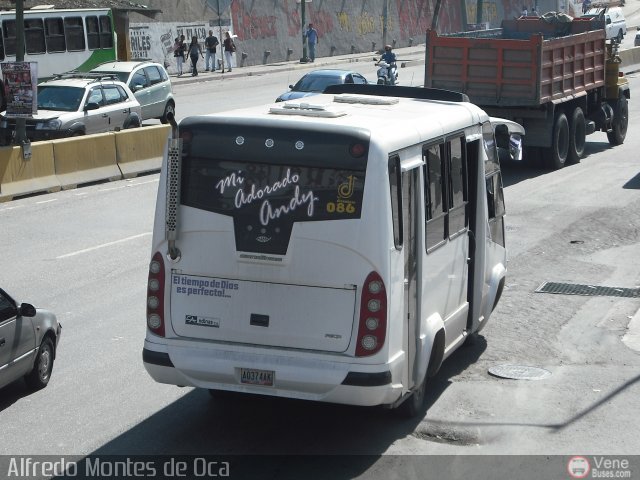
(315,83)
(65,99)
(122,76)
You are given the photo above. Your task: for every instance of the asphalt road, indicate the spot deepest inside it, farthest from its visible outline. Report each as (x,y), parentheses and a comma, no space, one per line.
(84,254)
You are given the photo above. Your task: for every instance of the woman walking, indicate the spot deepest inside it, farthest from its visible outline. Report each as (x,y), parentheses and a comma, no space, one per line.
(195,51)
(178,52)
(229,48)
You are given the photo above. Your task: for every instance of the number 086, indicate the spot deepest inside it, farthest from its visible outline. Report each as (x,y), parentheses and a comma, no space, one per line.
(340,207)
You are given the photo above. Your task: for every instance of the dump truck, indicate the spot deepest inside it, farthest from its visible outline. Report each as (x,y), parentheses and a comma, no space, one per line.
(558,77)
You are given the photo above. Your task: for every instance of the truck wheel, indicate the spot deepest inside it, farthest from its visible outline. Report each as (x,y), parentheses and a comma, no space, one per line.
(577,135)
(557,154)
(620,121)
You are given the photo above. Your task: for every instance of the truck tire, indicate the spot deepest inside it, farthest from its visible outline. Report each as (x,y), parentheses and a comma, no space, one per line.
(620,121)
(577,135)
(559,150)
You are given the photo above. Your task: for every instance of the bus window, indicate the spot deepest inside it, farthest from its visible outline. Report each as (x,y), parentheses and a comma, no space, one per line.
(458,221)
(434,198)
(34,35)
(1,46)
(93,33)
(9,36)
(106,36)
(396,200)
(74,33)
(54,35)
(495,203)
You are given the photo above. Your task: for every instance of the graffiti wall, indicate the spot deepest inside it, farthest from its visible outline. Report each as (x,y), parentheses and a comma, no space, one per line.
(271,30)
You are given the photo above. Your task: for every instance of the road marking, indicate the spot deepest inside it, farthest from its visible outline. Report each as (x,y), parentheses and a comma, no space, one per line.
(90,249)
(47,201)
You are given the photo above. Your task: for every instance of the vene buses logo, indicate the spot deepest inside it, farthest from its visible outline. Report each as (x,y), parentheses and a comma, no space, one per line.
(578,467)
(202,321)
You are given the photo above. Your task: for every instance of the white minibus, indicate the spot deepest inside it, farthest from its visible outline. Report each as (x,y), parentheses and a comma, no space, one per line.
(334,249)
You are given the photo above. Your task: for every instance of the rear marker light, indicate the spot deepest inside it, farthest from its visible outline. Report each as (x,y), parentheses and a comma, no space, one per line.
(372,329)
(373,305)
(155,295)
(369,342)
(372,323)
(154,321)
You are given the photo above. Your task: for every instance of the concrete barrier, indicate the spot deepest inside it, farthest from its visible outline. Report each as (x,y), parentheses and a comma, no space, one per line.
(629,57)
(87,159)
(140,150)
(22,177)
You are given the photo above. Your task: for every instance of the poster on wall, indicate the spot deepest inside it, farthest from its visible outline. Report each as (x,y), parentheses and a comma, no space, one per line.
(155,41)
(20,88)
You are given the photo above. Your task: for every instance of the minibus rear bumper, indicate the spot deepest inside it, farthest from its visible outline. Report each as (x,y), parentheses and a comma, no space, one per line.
(313,377)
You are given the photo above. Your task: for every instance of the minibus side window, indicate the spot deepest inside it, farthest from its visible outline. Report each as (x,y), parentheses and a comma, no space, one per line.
(395,185)
(435,207)
(495,204)
(458,196)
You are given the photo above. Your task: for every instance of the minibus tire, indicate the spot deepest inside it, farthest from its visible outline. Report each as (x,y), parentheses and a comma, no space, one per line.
(577,136)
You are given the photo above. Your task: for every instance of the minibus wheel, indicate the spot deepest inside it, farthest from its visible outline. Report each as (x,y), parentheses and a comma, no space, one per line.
(414,405)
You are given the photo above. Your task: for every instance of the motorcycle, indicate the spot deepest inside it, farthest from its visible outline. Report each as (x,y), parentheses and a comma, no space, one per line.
(387,74)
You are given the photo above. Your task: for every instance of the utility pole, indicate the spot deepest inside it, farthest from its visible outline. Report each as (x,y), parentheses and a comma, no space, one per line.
(304,58)
(21,123)
(222,40)
(385,21)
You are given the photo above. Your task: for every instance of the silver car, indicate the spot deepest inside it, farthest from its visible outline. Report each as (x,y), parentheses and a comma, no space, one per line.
(74,104)
(28,342)
(149,82)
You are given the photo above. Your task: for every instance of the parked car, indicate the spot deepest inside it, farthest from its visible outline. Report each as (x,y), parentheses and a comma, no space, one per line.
(614,23)
(636,40)
(28,342)
(77,104)
(149,82)
(316,81)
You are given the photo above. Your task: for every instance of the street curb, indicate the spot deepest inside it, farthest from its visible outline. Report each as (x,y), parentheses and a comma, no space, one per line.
(632,338)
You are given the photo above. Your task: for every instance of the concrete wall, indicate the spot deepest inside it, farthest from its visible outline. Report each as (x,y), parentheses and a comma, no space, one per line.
(271,30)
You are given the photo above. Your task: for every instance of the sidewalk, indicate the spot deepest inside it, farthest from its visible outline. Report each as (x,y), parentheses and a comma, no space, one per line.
(406,54)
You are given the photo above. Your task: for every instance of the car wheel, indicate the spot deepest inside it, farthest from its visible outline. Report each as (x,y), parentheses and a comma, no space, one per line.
(169,108)
(414,405)
(39,377)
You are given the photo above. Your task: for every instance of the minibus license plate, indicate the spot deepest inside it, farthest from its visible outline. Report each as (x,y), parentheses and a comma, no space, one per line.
(252,376)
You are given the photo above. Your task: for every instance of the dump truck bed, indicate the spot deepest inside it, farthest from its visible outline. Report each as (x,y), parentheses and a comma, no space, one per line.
(528,62)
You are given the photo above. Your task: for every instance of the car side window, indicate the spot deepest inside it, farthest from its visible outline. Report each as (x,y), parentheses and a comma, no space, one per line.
(7,308)
(111,94)
(154,75)
(95,96)
(139,80)
(123,93)
(348,79)
(359,79)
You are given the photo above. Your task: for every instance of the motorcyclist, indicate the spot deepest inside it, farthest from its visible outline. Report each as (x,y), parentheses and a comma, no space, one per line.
(390,58)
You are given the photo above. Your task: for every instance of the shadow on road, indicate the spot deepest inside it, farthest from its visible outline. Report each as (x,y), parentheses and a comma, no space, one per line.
(280,438)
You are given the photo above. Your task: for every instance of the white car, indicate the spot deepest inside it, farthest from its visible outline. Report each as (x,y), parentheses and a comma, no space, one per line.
(149,82)
(615,25)
(76,104)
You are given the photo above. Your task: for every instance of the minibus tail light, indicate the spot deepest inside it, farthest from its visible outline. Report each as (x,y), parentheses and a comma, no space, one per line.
(155,295)
(372,327)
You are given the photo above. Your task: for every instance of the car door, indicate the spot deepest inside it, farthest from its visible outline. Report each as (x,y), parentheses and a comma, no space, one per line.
(115,106)
(95,121)
(17,341)
(139,85)
(158,91)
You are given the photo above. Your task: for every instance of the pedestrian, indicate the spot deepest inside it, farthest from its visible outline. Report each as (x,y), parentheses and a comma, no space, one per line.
(178,53)
(229,48)
(312,40)
(524,12)
(210,43)
(194,52)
